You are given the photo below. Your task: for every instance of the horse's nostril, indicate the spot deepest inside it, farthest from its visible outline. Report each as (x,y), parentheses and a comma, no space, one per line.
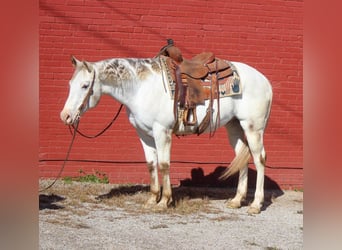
(66,117)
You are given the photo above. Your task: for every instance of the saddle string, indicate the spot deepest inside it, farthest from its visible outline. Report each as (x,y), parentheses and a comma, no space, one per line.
(211,112)
(214,92)
(163,76)
(217,92)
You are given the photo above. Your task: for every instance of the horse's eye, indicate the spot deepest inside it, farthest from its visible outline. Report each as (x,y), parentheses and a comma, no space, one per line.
(85,85)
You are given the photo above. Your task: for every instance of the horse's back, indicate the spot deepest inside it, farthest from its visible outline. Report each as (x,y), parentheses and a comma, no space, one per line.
(252,78)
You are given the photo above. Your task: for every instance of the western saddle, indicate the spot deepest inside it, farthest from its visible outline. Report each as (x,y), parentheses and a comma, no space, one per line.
(189,77)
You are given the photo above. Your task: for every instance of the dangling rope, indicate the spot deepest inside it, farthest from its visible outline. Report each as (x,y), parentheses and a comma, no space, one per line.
(65,160)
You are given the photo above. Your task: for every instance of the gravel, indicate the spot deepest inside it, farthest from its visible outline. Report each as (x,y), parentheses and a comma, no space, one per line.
(71,220)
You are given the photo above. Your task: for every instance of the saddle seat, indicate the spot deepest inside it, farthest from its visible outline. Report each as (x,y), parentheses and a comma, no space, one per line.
(196,67)
(202,64)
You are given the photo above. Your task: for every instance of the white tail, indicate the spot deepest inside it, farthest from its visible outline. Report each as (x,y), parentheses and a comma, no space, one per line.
(240,161)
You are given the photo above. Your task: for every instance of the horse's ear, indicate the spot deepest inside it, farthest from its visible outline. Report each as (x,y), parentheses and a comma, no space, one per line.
(74,61)
(88,66)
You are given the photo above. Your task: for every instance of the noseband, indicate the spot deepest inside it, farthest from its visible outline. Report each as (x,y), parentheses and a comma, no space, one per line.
(86,98)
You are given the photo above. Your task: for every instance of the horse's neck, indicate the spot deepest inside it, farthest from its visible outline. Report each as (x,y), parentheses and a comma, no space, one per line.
(122,78)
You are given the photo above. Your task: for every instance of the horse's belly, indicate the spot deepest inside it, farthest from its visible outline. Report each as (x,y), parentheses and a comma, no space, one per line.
(225,111)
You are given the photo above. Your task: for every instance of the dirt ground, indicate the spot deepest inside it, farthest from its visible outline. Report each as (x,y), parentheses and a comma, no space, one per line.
(107,216)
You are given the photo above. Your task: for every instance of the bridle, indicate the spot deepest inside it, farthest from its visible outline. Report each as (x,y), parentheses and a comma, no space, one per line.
(86,99)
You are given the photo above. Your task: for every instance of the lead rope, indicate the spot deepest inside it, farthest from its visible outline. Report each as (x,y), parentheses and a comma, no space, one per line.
(65,160)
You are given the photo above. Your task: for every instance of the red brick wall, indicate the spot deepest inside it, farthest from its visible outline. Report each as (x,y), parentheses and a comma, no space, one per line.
(267,34)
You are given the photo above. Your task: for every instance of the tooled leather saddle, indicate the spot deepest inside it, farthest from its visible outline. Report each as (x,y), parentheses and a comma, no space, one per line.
(196,80)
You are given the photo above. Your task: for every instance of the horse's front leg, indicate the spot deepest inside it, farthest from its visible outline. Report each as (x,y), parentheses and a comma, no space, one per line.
(152,166)
(163,138)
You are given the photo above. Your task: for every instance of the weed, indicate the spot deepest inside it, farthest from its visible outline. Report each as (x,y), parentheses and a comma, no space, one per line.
(95,177)
(299,190)
(67,180)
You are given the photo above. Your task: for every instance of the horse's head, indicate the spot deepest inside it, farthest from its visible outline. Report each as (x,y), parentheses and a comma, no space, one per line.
(84,92)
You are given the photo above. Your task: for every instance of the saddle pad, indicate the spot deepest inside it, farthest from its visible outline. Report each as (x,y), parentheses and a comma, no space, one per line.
(228,86)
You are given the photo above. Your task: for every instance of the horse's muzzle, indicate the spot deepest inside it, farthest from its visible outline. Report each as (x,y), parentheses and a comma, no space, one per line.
(66,117)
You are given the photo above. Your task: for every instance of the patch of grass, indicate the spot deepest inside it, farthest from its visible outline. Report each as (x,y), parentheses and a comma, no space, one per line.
(95,177)
(67,180)
(299,189)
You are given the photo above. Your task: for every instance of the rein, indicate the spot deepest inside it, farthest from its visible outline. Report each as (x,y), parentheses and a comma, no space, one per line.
(65,160)
(101,132)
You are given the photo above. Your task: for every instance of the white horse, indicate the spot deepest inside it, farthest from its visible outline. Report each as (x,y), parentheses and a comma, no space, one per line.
(139,84)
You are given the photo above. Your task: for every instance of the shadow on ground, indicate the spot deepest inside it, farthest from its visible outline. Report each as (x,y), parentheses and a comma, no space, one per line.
(47,201)
(207,186)
(217,189)
(124,190)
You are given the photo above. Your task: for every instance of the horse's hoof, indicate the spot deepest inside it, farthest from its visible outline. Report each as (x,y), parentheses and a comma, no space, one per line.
(253,210)
(233,204)
(162,205)
(151,203)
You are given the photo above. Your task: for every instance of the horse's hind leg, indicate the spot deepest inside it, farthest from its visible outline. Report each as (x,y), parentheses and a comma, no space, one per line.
(237,141)
(255,142)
